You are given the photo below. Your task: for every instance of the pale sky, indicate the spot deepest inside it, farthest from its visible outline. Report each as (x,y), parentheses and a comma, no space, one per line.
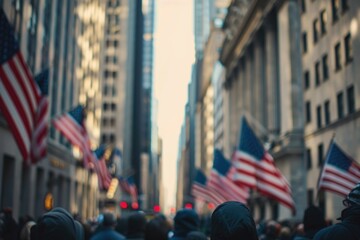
(174,55)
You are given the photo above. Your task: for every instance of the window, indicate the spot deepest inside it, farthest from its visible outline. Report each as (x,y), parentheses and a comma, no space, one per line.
(105,106)
(114,91)
(303,6)
(325,67)
(115,59)
(327,112)
(340,105)
(337,56)
(310,195)
(320,154)
(105,90)
(323,21)
(344,5)
(317,73)
(112,122)
(348,49)
(322,201)
(114,74)
(107,43)
(116,43)
(113,106)
(308,112)
(104,138)
(318,115)
(351,100)
(335,10)
(112,138)
(308,159)
(304,42)
(306,80)
(105,122)
(107,60)
(106,73)
(316,30)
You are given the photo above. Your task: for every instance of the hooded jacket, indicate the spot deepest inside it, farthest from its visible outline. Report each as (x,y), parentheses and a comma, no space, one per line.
(185,221)
(232,221)
(348,228)
(57,224)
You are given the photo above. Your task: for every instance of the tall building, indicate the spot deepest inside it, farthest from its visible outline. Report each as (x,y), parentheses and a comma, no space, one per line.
(330,57)
(59,35)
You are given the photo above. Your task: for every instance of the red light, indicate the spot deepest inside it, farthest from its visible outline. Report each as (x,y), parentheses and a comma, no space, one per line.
(157,208)
(134,205)
(188,206)
(123,205)
(211,206)
(173,210)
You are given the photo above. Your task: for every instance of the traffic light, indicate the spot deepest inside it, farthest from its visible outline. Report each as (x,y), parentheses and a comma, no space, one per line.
(123,205)
(188,205)
(135,205)
(156,208)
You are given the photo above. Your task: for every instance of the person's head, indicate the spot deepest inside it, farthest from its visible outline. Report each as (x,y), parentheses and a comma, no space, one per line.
(353,198)
(57,224)
(185,221)
(25,231)
(231,220)
(313,219)
(108,220)
(136,224)
(196,235)
(157,228)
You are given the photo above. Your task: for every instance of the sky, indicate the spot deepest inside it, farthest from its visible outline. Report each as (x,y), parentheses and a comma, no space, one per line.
(174,55)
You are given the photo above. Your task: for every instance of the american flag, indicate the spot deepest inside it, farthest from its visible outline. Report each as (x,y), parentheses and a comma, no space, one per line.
(133,189)
(340,173)
(71,125)
(201,191)
(221,180)
(39,137)
(19,95)
(104,177)
(256,169)
(128,186)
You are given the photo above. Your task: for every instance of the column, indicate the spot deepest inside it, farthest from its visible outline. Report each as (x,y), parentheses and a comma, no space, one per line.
(272,77)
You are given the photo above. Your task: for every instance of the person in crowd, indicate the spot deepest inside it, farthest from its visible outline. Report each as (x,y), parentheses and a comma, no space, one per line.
(185,221)
(313,221)
(136,226)
(106,230)
(232,221)
(9,225)
(157,228)
(25,231)
(58,224)
(196,235)
(272,231)
(349,227)
(121,225)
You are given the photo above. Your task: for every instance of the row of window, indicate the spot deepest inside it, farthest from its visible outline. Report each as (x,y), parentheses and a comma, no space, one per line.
(350,95)
(108,138)
(320,157)
(109,91)
(111,59)
(108,73)
(108,106)
(324,62)
(335,8)
(108,122)
(112,43)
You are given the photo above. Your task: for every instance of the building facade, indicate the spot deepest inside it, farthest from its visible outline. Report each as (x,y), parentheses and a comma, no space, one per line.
(329,40)
(48,40)
(261,54)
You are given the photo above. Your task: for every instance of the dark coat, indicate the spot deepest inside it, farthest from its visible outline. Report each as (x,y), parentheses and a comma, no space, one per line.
(232,221)
(348,229)
(108,234)
(185,221)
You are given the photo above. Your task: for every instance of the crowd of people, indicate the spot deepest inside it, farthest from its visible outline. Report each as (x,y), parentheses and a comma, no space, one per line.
(230,221)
